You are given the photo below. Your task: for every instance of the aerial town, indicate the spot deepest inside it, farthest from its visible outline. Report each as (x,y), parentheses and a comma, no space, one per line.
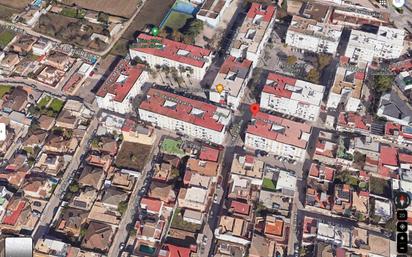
(206,128)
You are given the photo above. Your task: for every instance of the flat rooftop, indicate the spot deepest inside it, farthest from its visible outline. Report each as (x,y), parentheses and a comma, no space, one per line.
(316,29)
(279,129)
(169,49)
(185,109)
(348,79)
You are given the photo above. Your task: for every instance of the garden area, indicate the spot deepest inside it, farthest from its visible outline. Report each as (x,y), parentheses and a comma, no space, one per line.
(380,187)
(72,30)
(179,223)
(171,146)
(73,12)
(47,105)
(269,185)
(4,90)
(6,37)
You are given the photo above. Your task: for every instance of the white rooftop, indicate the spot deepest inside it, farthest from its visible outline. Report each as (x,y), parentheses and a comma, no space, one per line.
(196,194)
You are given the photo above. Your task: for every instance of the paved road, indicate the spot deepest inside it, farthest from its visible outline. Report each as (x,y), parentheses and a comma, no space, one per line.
(52,205)
(133,206)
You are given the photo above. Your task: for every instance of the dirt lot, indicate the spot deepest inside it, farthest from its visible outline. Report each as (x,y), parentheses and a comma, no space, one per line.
(17,4)
(133,156)
(71,30)
(152,13)
(124,8)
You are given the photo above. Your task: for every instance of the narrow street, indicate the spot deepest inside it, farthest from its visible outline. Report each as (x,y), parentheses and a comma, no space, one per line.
(52,205)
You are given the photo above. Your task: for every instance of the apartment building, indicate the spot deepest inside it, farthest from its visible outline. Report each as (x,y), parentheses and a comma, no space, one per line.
(212,11)
(121,87)
(279,136)
(347,87)
(291,96)
(185,115)
(233,75)
(383,43)
(162,51)
(254,33)
(311,35)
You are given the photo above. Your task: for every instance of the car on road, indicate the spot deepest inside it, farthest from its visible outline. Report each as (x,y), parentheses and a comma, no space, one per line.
(204,240)
(215,198)
(121,246)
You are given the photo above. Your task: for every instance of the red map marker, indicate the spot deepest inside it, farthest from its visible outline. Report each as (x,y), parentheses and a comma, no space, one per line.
(254,109)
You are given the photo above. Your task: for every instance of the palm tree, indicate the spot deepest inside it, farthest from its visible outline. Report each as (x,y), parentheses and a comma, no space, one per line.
(158,69)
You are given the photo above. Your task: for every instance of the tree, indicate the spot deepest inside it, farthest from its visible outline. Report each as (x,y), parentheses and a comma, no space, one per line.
(313,76)
(323,61)
(122,207)
(292,59)
(383,83)
(74,188)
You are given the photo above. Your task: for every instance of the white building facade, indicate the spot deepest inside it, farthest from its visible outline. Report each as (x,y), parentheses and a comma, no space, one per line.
(160,51)
(310,35)
(122,86)
(187,116)
(293,97)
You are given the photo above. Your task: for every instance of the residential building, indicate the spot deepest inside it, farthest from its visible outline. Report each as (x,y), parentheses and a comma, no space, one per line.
(59,61)
(311,35)
(395,109)
(42,47)
(291,96)
(254,33)
(247,165)
(194,198)
(353,122)
(162,51)
(212,11)
(385,43)
(233,230)
(346,92)
(355,16)
(278,135)
(98,236)
(233,76)
(121,87)
(184,115)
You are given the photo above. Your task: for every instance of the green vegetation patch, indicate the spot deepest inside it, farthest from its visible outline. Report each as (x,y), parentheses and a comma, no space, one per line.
(5,38)
(73,13)
(4,90)
(179,223)
(44,101)
(171,146)
(269,184)
(176,20)
(56,105)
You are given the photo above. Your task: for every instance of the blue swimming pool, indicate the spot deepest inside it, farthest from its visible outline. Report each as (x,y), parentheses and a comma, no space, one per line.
(184,7)
(147,249)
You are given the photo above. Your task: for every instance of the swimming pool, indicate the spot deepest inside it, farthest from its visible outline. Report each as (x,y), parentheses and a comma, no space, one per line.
(180,7)
(147,249)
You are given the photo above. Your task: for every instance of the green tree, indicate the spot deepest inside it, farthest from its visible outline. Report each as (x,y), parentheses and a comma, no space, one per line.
(192,28)
(74,188)
(122,207)
(313,76)
(383,83)
(292,59)
(323,60)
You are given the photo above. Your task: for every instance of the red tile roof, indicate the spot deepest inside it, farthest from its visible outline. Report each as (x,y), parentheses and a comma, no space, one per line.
(242,208)
(177,251)
(405,158)
(129,125)
(256,9)
(287,131)
(232,64)
(353,120)
(152,205)
(274,228)
(401,66)
(391,127)
(278,88)
(169,49)
(209,154)
(11,218)
(308,223)
(128,74)
(182,111)
(389,156)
